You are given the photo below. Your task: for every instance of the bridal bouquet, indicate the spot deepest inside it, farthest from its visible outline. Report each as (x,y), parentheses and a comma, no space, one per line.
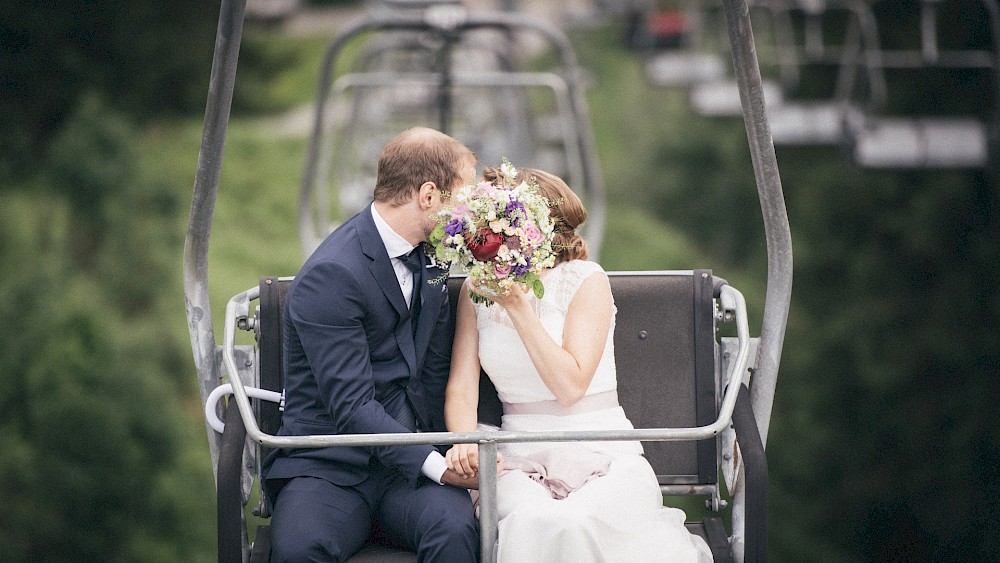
(499,235)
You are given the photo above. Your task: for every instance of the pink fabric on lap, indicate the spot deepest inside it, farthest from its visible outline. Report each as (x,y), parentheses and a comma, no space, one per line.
(561,470)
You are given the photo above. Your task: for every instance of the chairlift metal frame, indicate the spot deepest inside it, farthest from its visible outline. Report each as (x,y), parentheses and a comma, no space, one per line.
(449,27)
(931,141)
(208,356)
(795,122)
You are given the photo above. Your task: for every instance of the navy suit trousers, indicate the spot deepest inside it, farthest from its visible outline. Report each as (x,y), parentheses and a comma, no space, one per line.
(315,520)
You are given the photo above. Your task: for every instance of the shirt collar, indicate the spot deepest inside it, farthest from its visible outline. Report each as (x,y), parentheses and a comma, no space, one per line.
(395,245)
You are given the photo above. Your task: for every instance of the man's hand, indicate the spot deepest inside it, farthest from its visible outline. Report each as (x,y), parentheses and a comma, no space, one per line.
(463,466)
(470,481)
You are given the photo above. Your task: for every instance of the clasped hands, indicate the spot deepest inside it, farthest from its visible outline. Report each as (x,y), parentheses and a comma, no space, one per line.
(463,466)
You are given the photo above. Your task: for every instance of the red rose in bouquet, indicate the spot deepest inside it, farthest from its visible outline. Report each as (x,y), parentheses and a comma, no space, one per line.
(484,244)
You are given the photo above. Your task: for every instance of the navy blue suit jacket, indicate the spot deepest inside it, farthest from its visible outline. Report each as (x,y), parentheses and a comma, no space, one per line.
(352,358)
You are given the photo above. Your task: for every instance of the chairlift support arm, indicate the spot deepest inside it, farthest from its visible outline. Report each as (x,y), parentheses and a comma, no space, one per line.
(206,184)
(772,203)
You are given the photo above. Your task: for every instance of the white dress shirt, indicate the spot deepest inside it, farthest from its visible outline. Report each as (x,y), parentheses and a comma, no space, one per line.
(395,245)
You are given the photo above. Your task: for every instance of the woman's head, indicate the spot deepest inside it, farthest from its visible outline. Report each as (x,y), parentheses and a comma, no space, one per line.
(567,211)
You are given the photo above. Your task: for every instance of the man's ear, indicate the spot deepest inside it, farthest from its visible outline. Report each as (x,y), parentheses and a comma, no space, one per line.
(425,194)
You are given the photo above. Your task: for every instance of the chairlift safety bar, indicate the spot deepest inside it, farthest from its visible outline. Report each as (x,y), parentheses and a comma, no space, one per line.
(239,307)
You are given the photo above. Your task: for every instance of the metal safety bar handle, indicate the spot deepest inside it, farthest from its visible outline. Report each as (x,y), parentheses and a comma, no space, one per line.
(239,306)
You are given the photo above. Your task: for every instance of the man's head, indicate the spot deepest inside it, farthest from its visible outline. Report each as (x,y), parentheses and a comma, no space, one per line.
(416,156)
(417,171)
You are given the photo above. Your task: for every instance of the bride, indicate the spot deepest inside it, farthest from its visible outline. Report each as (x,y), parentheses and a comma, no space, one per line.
(552,363)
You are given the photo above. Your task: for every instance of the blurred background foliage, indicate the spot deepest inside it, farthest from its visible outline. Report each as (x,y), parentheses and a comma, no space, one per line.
(883,445)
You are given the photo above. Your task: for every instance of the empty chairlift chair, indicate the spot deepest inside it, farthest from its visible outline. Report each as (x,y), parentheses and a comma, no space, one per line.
(826,44)
(928,140)
(462,72)
(697,58)
(719,96)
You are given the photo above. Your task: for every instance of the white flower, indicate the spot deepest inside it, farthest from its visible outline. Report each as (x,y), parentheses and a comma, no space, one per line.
(502,224)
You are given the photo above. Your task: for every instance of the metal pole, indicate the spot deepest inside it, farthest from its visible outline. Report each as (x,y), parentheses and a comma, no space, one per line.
(488,518)
(772,202)
(206,182)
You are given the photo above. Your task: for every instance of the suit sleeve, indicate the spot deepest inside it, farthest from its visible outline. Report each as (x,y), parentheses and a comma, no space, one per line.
(329,309)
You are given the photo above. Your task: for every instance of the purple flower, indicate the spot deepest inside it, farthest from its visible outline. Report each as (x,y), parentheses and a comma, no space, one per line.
(519,270)
(515,210)
(455,226)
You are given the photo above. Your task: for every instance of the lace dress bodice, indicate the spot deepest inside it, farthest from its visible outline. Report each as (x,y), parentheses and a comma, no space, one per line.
(505,359)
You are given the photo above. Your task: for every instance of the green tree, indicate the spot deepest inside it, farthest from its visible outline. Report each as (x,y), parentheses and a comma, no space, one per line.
(883,437)
(103,463)
(145,58)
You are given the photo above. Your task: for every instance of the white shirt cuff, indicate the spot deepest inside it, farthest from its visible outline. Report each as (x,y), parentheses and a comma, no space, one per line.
(434,467)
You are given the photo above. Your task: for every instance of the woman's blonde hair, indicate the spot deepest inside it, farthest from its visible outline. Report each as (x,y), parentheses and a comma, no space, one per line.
(568,212)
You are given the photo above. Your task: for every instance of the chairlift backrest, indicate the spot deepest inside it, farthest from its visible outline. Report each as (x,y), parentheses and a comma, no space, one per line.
(665,356)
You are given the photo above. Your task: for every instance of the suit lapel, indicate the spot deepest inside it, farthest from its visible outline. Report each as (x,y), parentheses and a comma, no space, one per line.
(432,297)
(385,276)
(381,267)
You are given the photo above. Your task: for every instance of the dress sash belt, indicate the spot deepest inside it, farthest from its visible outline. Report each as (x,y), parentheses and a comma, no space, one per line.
(589,403)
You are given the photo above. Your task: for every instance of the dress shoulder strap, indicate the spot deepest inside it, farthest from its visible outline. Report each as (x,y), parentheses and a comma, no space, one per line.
(567,278)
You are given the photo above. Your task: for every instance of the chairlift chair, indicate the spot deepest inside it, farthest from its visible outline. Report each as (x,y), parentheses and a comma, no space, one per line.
(712,94)
(697,59)
(804,40)
(726,425)
(933,141)
(460,76)
(672,372)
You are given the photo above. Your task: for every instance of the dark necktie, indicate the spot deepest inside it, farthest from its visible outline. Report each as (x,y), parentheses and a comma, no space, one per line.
(414,260)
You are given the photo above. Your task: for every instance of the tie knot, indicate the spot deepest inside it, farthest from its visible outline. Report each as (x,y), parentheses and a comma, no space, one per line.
(412,260)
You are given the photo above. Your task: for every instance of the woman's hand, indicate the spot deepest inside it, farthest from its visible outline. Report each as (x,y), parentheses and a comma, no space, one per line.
(461,456)
(463,459)
(517,297)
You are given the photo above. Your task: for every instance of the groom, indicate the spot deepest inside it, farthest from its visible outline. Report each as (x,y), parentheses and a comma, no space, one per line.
(367,350)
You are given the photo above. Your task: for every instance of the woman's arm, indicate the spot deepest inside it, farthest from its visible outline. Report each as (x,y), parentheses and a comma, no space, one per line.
(566,370)
(461,405)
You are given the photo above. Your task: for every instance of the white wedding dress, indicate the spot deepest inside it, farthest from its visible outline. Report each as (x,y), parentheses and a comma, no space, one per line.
(616,517)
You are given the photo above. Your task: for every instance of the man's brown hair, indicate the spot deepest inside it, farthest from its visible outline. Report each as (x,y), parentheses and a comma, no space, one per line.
(415,156)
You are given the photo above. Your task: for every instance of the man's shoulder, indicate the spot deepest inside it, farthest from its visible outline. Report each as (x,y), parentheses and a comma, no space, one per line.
(343,245)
